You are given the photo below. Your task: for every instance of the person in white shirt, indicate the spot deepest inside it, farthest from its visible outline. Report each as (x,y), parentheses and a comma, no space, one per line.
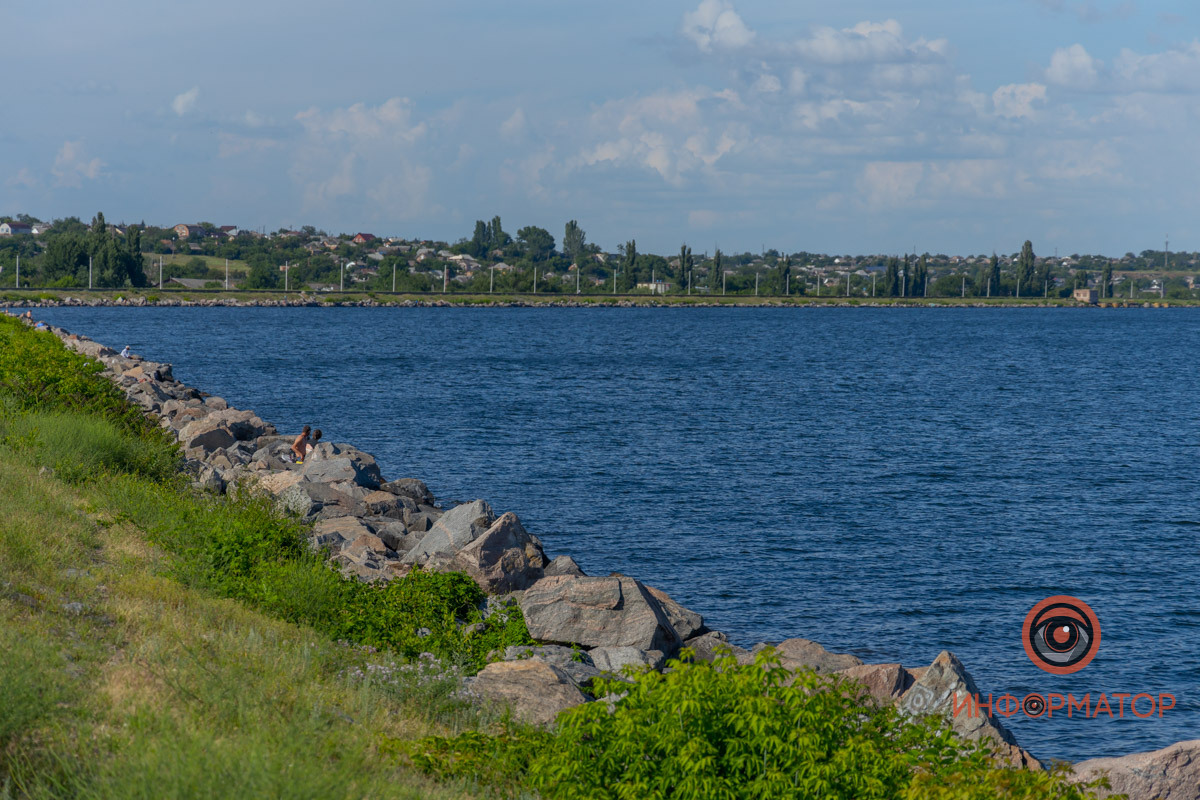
(125,353)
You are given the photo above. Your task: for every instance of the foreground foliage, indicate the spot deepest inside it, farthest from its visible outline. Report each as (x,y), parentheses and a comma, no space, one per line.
(720,731)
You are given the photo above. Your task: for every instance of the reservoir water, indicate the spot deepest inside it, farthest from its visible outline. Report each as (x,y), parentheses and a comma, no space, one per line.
(888,482)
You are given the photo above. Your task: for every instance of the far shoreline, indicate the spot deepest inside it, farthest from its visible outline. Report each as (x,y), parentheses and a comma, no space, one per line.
(201,298)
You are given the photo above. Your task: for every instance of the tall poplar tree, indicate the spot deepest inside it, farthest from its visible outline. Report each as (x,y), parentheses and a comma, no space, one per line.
(716,276)
(993,279)
(1026,268)
(685,266)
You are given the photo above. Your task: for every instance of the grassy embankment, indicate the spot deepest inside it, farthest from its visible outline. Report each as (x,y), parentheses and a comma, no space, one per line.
(158,644)
(153,295)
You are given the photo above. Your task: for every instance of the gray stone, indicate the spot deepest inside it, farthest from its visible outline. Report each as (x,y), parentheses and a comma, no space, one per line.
(576,664)
(615,659)
(411,488)
(563,565)
(454,530)
(943,684)
(1172,773)
(502,559)
(797,653)
(330,463)
(884,683)
(687,623)
(709,645)
(597,612)
(536,692)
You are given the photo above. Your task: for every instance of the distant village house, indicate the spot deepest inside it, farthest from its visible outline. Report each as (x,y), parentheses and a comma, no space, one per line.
(14,228)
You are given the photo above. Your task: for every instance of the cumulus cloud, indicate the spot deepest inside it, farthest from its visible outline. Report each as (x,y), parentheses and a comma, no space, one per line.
(1073,68)
(875,42)
(715,25)
(514,126)
(393,119)
(24,179)
(185,102)
(1016,100)
(1170,71)
(363,156)
(72,166)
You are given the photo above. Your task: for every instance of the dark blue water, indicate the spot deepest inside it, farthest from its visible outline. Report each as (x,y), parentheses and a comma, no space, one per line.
(888,482)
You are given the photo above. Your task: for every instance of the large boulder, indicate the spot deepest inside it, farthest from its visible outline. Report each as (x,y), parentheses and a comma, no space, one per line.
(884,683)
(598,612)
(504,558)
(452,531)
(708,646)
(563,565)
(411,488)
(535,690)
(687,623)
(577,664)
(330,463)
(615,659)
(944,684)
(335,533)
(797,653)
(1172,773)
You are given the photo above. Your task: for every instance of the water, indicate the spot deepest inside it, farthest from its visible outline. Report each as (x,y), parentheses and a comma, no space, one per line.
(887,482)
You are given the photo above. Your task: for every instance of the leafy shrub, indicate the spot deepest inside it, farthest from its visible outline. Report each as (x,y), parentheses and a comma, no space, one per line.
(726,731)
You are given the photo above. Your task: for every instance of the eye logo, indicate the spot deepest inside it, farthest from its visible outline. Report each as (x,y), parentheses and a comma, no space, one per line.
(1061,634)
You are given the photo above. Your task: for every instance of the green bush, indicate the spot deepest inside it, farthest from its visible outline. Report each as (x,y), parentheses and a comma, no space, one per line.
(721,731)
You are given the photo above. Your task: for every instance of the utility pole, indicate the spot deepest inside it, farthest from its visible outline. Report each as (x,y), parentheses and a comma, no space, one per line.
(89,273)
(535,278)
(724,280)
(756,284)
(787,286)
(689,281)
(1018,287)
(160,275)
(989,292)
(286,275)
(964,294)
(578,272)
(614,281)
(492,284)
(342,280)
(446,277)
(226,273)
(847,283)
(873,284)
(393,277)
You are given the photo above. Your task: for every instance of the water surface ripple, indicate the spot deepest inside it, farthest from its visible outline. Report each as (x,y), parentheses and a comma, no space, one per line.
(888,482)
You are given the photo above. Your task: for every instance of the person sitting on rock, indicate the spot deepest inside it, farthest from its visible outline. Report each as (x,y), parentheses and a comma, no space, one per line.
(125,352)
(308,448)
(301,445)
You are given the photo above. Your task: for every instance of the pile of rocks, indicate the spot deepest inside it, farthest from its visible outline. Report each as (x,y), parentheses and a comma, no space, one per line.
(374,529)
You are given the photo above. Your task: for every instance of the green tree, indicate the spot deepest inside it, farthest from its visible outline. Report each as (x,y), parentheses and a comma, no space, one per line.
(993,280)
(1106,280)
(574,242)
(686,263)
(783,282)
(626,275)
(891,278)
(498,239)
(65,262)
(716,275)
(536,243)
(1026,268)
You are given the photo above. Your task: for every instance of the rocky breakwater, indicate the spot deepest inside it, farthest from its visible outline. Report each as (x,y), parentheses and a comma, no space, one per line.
(374,529)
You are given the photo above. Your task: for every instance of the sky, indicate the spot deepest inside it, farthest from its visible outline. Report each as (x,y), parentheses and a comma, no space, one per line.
(860,126)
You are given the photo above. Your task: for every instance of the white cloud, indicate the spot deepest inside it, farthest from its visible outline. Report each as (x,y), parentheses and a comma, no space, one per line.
(1016,100)
(715,25)
(72,166)
(1073,68)
(364,157)
(393,119)
(185,102)
(24,178)
(868,42)
(1170,71)
(514,126)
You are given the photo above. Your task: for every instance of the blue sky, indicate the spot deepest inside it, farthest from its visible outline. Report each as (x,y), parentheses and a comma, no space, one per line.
(861,126)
